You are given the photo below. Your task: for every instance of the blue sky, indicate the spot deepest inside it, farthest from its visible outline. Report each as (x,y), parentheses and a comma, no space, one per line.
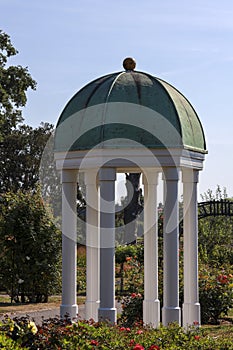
(66,44)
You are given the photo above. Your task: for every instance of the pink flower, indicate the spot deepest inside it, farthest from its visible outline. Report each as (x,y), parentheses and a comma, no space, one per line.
(135,295)
(139,331)
(154,347)
(138,347)
(122,329)
(131,343)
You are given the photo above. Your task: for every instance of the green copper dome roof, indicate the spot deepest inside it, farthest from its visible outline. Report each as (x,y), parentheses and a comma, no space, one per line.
(119,90)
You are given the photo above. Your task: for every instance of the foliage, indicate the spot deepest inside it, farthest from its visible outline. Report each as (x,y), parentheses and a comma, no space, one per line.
(132,307)
(63,334)
(9,344)
(216,235)
(20,330)
(215,292)
(30,247)
(129,268)
(125,251)
(219,194)
(21,152)
(21,146)
(216,241)
(14,83)
(81,270)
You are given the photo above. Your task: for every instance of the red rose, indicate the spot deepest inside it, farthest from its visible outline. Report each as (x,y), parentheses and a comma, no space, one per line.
(196,337)
(94,342)
(223,279)
(138,347)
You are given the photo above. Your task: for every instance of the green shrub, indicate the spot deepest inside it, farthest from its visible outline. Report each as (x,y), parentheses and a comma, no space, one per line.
(129,269)
(216,293)
(56,334)
(81,273)
(8,344)
(30,246)
(132,307)
(21,330)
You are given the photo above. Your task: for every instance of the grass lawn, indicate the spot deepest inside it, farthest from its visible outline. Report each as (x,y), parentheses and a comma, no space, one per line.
(222,331)
(230,313)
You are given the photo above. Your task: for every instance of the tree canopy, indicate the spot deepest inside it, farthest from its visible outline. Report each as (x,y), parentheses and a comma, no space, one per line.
(21,152)
(31,243)
(14,83)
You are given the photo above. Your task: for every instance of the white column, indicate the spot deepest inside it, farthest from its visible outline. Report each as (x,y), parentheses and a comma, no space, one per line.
(107,310)
(92,246)
(69,243)
(171,309)
(191,306)
(151,304)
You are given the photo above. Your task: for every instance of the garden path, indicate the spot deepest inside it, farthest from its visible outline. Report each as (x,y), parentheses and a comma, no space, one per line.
(39,315)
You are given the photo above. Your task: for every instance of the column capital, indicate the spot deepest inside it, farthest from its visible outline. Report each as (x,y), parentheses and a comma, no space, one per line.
(90,176)
(190,175)
(150,177)
(107,174)
(69,175)
(171,173)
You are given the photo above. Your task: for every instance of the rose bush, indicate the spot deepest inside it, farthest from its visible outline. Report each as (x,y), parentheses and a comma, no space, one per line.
(56,334)
(216,293)
(132,309)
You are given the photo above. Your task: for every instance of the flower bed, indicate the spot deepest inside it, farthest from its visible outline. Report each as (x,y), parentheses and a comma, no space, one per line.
(62,334)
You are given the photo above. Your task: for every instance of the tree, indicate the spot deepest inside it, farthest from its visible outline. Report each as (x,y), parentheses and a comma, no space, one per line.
(21,152)
(14,83)
(20,145)
(30,255)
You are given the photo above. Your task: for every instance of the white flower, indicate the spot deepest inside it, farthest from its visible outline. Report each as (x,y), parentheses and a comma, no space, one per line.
(20,281)
(28,257)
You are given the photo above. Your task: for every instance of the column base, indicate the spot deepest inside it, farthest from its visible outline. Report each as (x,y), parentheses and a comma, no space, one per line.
(69,310)
(107,314)
(151,312)
(191,314)
(91,308)
(171,314)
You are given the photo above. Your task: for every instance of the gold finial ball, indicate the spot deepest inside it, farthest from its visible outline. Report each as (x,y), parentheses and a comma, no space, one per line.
(129,63)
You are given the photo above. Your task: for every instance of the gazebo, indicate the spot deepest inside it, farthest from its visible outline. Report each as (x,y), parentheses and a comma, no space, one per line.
(130,121)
